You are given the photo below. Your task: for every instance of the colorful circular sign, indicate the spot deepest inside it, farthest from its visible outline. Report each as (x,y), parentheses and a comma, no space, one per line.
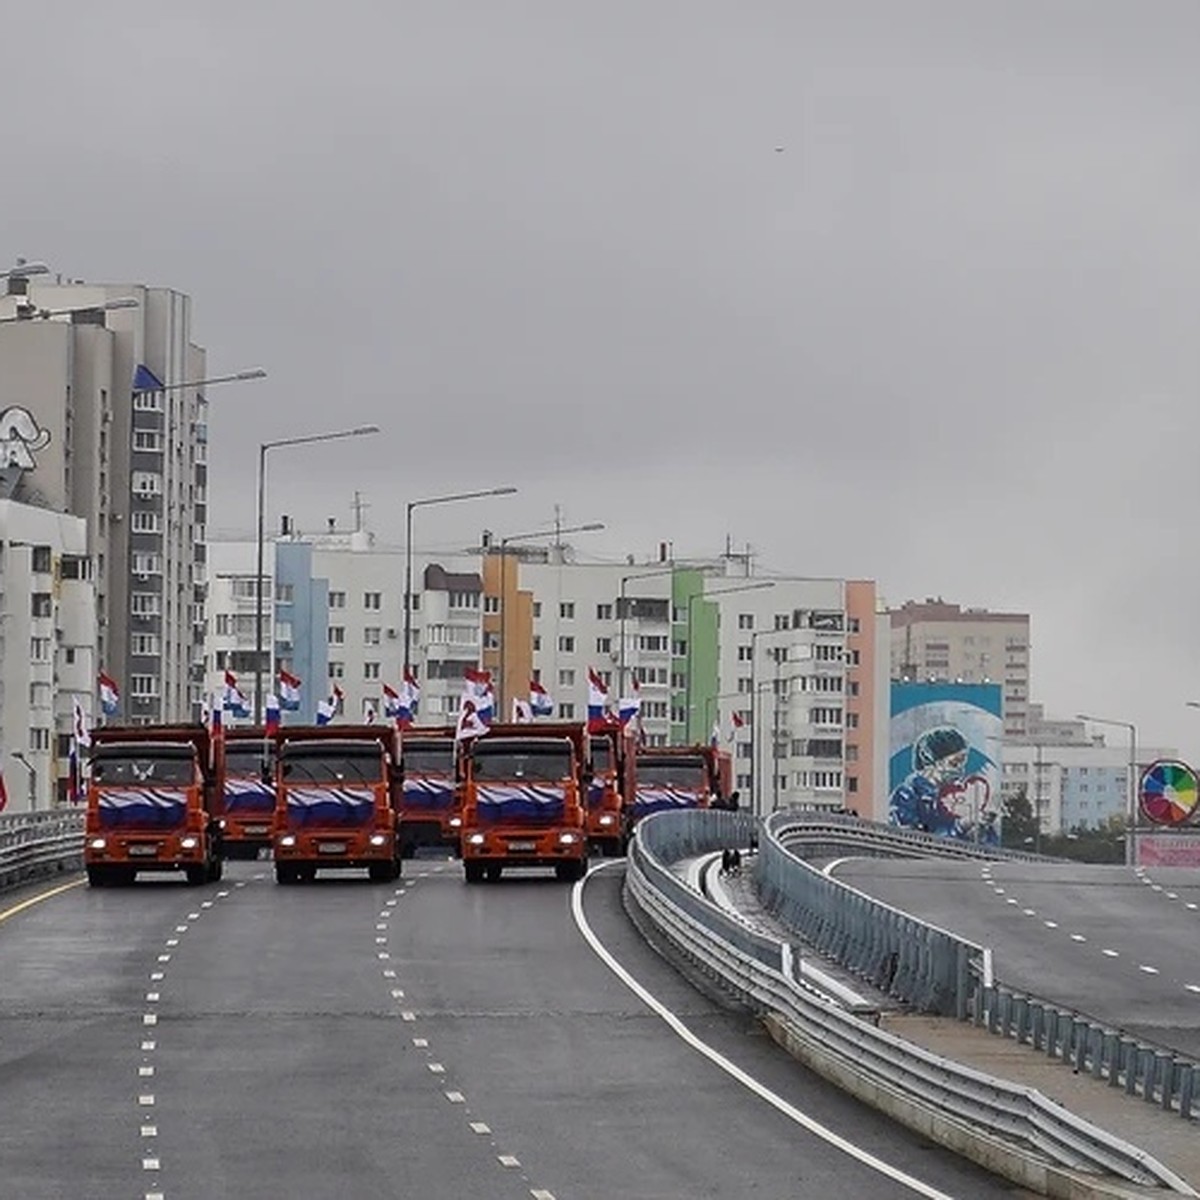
(1168,792)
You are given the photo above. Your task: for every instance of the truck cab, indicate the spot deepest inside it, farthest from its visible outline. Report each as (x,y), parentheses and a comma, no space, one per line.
(430,812)
(337,791)
(670,778)
(610,785)
(151,804)
(523,800)
(246,770)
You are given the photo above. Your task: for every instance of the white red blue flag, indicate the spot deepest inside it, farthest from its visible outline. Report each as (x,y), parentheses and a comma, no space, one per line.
(326,710)
(215,719)
(370,716)
(391,702)
(82,735)
(714,739)
(597,702)
(289,691)
(110,695)
(470,724)
(234,702)
(477,689)
(736,721)
(410,698)
(522,711)
(338,697)
(630,706)
(272,717)
(540,701)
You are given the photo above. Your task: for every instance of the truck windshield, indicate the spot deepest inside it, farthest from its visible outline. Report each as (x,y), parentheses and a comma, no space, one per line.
(602,757)
(332,762)
(547,762)
(245,762)
(120,766)
(429,758)
(685,772)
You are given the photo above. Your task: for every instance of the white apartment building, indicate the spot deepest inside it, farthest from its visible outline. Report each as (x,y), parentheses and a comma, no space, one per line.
(94,420)
(944,642)
(47,649)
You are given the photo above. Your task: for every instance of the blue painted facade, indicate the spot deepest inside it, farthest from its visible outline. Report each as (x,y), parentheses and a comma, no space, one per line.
(307,613)
(1093,796)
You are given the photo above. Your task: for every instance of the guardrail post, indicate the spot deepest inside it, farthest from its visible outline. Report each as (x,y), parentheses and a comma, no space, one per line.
(1081,1032)
(1187,1084)
(1021,1003)
(1166,1075)
(1133,1059)
(1037,1024)
(1150,1078)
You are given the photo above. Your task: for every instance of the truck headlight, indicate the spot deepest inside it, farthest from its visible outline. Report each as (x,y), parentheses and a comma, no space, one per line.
(378,839)
(98,844)
(456,822)
(607,819)
(568,839)
(189,843)
(288,840)
(476,839)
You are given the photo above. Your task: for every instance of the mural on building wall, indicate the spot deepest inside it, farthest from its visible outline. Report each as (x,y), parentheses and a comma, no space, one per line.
(20,437)
(944,770)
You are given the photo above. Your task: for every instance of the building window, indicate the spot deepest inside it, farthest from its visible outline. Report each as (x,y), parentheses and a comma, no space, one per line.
(372,635)
(464,600)
(148,401)
(337,635)
(745,653)
(146,564)
(566,610)
(39,649)
(40,605)
(144,643)
(566,645)
(284,593)
(337,670)
(566,679)
(537,609)
(491,640)
(537,641)
(147,439)
(373,600)
(147,483)
(337,599)
(145,522)
(144,687)
(566,712)
(853,625)
(604,612)
(39,738)
(852,784)
(491,604)
(604,645)
(370,670)
(146,604)
(745,620)
(654,642)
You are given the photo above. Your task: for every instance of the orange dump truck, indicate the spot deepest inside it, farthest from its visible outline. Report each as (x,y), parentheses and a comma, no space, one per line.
(612,756)
(246,768)
(429,808)
(337,800)
(523,800)
(152,800)
(669,778)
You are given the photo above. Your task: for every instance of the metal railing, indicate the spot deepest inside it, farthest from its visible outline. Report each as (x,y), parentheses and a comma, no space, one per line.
(870,1060)
(33,845)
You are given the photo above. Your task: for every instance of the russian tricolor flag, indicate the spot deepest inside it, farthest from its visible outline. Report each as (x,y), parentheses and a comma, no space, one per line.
(540,702)
(234,702)
(326,710)
(391,702)
(478,691)
(410,698)
(289,691)
(630,706)
(597,702)
(110,695)
(272,717)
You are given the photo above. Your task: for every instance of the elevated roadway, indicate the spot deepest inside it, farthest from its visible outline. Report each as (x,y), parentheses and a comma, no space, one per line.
(421,1038)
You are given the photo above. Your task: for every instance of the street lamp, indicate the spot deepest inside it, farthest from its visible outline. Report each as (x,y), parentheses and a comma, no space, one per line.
(408,550)
(24,269)
(621,605)
(27,312)
(237,377)
(358,431)
(1131,803)
(754,744)
(590,527)
(745,587)
(20,757)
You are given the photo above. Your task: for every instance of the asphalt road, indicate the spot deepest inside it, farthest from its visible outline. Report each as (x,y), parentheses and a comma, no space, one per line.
(1109,941)
(421,1038)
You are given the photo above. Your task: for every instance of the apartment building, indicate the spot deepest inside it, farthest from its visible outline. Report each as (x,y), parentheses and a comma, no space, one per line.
(938,641)
(97,419)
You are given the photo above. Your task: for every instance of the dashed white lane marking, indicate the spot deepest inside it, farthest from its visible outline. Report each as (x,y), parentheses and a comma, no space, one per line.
(149,1018)
(1147,970)
(164,958)
(437,1068)
(381,941)
(541,1194)
(389,973)
(150,1164)
(1011,900)
(1193,987)
(397,993)
(172,942)
(152,997)
(420,1042)
(154,1196)
(408,1016)
(181,929)
(149,1045)
(145,1072)
(193,916)
(456,1098)
(1192,905)
(146,1100)
(384,955)
(157,976)
(1111,953)
(1078,937)
(149,1131)
(480,1127)
(1172,895)
(508,1160)
(1050,924)
(999,891)
(743,1077)
(1029,912)
(206,904)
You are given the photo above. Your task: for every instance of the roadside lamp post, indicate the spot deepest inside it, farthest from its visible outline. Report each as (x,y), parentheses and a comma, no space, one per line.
(1131,800)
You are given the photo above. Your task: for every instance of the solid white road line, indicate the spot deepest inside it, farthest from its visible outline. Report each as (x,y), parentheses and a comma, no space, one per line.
(747,1080)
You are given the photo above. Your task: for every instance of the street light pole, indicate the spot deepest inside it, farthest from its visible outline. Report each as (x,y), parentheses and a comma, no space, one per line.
(755,788)
(502,682)
(336,435)
(27,312)
(1131,802)
(687,702)
(409,508)
(19,755)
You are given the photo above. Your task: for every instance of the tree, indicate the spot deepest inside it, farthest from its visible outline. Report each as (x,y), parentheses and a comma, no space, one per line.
(1019,831)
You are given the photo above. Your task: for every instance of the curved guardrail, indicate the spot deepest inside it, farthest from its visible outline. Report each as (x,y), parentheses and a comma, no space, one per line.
(1013,1130)
(33,845)
(936,971)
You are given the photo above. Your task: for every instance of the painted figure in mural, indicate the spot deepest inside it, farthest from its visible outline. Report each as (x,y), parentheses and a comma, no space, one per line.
(939,797)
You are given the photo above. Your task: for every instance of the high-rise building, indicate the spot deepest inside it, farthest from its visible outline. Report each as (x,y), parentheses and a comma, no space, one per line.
(942,642)
(97,419)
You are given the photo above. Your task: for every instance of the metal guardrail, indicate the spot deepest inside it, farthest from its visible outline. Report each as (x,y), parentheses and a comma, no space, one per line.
(33,845)
(936,971)
(741,961)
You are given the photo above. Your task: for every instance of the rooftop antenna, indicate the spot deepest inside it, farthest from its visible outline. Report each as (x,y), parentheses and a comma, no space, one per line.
(359,508)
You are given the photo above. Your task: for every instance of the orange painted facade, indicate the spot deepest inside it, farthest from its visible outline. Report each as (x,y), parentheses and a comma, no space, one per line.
(861,700)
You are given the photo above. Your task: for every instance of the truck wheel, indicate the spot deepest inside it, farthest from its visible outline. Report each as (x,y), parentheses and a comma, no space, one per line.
(494,871)
(380,872)
(473,872)
(306,872)
(215,870)
(285,873)
(98,876)
(196,875)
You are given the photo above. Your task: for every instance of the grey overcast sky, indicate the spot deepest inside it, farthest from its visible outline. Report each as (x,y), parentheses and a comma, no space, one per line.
(900,289)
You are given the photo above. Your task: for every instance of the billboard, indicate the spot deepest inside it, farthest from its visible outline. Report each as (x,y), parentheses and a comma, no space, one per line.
(944,764)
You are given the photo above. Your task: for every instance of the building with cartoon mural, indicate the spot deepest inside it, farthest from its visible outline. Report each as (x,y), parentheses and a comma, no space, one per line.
(945,762)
